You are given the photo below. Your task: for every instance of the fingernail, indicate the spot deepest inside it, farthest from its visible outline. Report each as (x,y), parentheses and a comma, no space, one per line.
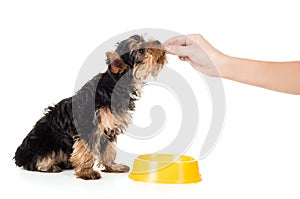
(167,48)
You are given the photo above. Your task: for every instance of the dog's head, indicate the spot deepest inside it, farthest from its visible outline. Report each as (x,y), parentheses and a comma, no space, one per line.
(141,57)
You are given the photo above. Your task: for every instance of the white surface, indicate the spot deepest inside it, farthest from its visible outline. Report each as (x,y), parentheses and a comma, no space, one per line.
(44,44)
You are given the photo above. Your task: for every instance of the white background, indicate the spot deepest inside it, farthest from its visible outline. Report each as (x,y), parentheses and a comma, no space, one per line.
(43,45)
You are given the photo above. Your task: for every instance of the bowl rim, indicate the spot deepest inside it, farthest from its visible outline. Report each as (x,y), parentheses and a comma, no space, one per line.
(177,158)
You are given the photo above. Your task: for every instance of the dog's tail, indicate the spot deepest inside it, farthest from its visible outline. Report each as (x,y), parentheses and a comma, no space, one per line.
(24,156)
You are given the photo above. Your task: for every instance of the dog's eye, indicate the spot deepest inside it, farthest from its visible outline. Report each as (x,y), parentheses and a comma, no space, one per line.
(141,51)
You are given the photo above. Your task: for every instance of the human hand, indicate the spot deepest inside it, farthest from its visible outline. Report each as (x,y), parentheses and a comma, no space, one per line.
(279,76)
(197,51)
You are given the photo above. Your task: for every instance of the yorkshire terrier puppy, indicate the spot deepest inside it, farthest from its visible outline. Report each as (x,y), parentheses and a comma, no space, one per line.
(82,129)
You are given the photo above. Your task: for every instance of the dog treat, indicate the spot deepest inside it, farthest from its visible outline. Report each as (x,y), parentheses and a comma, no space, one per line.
(82,129)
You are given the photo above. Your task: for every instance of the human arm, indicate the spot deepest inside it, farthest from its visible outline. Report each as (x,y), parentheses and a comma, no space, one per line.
(279,76)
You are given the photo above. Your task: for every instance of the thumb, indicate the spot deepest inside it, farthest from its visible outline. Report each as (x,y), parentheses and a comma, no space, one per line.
(177,50)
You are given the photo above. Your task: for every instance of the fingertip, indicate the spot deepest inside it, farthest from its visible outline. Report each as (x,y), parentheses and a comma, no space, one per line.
(167,48)
(169,52)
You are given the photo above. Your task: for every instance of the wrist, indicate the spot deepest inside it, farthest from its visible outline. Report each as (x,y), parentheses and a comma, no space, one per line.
(223,64)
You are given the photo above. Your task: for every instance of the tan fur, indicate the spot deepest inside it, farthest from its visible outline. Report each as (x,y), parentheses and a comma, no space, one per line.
(111,121)
(108,161)
(49,163)
(83,161)
(152,64)
(117,64)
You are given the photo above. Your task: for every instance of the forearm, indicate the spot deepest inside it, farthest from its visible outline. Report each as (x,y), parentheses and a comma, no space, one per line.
(278,76)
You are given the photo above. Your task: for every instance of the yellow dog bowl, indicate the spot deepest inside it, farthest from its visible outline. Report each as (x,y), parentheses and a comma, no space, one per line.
(165,168)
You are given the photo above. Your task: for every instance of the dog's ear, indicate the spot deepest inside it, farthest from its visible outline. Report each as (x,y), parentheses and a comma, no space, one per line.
(115,63)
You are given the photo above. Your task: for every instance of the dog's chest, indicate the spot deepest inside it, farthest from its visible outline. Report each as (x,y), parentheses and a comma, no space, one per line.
(112,123)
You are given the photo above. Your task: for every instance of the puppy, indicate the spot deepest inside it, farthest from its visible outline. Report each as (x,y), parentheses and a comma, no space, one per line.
(82,129)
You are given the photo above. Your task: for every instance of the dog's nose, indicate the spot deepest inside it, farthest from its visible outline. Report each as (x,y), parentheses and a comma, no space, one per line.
(156,43)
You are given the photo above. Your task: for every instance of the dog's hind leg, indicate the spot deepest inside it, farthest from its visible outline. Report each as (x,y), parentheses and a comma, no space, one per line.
(108,161)
(43,150)
(83,161)
(51,162)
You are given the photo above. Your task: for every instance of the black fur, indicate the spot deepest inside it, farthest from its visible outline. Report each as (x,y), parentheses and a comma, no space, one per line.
(74,117)
(57,128)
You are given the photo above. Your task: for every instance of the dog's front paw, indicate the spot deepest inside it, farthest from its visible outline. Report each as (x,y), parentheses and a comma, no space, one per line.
(88,175)
(116,168)
(123,168)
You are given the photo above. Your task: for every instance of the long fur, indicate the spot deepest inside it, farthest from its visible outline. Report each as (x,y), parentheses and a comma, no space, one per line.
(51,143)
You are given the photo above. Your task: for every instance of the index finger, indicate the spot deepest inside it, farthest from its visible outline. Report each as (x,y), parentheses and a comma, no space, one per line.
(179,41)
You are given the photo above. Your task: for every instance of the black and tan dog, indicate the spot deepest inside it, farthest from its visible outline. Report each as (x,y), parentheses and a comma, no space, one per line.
(83,129)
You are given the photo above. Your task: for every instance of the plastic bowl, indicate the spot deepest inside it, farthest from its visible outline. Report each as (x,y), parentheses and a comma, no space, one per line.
(165,168)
